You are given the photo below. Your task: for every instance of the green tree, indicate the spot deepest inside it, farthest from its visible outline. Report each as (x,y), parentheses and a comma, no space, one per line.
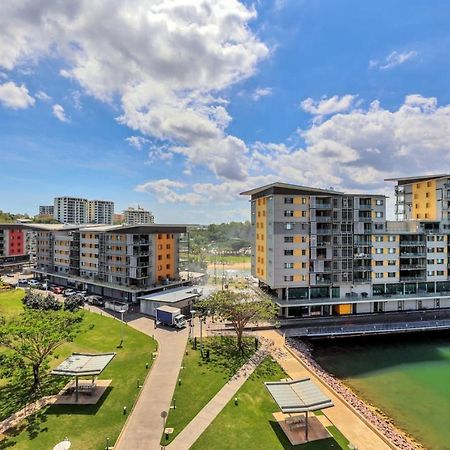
(240,308)
(34,335)
(36,300)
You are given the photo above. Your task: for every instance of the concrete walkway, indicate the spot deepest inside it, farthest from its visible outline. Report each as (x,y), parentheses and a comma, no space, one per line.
(203,419)
(345,419)
(144,427)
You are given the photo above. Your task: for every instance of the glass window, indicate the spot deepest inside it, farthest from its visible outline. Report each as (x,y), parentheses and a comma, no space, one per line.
(288,200)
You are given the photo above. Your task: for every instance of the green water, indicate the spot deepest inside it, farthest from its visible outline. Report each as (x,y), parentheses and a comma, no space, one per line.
(408,378)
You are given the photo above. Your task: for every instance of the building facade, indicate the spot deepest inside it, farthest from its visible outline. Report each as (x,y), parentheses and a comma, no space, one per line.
(116,261)
(137,216)
(13,247)
(323,252)
(76,211)
(100,211)
(46,210)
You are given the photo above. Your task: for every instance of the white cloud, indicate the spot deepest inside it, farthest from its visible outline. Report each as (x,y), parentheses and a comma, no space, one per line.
(393,59)
(137,141)
(60,114)
(351,151)
(167,191)
(164,60)
(14,96)
(41,95)
(261,92)
(326,106)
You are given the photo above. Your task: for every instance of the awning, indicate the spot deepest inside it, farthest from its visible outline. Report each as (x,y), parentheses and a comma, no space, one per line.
(298,396)
(84,364)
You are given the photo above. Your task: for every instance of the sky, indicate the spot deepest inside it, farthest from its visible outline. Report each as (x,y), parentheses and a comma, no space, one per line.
(180,105)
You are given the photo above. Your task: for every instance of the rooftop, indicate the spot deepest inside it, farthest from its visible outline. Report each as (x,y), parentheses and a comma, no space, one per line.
(298,396)
(174,295)
(409,180)
(293,187)
(84,364)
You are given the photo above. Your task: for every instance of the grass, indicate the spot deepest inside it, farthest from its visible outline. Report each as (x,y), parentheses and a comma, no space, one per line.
(202,379)
(87,427)
(250,425)
(228,259)
(11,302)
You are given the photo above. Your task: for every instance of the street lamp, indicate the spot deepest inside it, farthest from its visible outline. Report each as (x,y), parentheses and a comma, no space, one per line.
(122,311)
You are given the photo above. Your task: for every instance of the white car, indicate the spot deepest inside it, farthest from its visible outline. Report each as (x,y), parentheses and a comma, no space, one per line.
(33,283)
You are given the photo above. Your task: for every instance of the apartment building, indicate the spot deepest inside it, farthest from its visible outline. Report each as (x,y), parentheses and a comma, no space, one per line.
(71,210)
(136,216)
(118,261)
(100,211)
(13,248)
(46,210)
(74,210)
(323,252)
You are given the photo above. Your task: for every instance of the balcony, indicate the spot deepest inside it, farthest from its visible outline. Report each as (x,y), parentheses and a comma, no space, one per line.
(320,205)
(363,268)
(412,243)
(412,266)
(413,254)
(323,231)
(414,278)
(323,219)
(364,206)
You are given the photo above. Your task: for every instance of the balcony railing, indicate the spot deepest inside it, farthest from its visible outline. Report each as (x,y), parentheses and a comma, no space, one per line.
(412,266)
(413,243)
(413,254)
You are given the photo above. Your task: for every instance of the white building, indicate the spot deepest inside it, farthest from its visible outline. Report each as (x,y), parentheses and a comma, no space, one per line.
(74,210)
(71,210)
(46,210)
(138,216)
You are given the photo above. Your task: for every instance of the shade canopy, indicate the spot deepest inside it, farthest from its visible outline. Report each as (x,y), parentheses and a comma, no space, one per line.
(298,396)
(84,364)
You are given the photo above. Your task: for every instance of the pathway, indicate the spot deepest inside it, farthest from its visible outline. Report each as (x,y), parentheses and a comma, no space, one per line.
(144,427)
(203,419)
(344,418)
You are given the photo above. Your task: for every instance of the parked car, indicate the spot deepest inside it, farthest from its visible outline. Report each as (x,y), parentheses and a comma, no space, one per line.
(95,300)
(69,292)
(57,290)
(34,283)
(22,282)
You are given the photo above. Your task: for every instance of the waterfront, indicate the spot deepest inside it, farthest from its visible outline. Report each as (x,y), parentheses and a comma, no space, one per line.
(407,377)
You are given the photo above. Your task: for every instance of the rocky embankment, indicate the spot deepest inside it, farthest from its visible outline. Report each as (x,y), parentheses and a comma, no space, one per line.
(372,415)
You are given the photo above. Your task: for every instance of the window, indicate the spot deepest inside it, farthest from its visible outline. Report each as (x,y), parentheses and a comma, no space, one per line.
(288,200)
(378,214)
(439,273)
(303,213)
(378,238)
(303,200)
(391,274)
(391,262)
(289,239)
(303,239)
(289,253)
(378,275)
(440,249)
(379,251)
(430,238)
(288,213)
(378,263)
(391,238)
(379,226)
(303,252)
(430,273)
(427,195)
(440,261)
(430,261)
(303,265)
(288,265)
(288,226)
(289,278)
(440,238)
(392,250)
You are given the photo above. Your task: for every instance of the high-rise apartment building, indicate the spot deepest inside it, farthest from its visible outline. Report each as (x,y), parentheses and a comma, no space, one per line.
(46,210)
(100,212)
(116,261)
(13,247)
(323,252)
(135,216)
(73,210)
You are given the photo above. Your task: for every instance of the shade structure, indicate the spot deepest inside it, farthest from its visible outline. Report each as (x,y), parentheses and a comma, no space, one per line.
(298,396)
(84,364)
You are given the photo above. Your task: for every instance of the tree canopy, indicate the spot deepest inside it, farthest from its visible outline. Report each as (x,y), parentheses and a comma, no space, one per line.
(33,336)
(239,308)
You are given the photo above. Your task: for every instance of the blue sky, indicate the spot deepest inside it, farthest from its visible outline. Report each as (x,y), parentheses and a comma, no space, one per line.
(179,107)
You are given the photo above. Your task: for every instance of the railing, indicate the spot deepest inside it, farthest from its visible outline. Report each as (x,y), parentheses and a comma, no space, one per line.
(322,232)
(417,278)
(413,243)
(362,268)
(323,219)
(412,266)
(412,254)
(366,207)
(320,205)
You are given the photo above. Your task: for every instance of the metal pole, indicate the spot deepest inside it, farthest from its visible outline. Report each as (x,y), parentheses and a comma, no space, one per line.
(201,335)
(76,389)
(306,427)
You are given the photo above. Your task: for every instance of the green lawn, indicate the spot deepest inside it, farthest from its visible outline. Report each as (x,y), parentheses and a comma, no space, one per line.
(202,379)
(228,259)
(87,427)
(11,302)
(250,425)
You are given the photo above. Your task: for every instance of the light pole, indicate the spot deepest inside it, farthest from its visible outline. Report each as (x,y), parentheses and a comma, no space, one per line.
(122,335)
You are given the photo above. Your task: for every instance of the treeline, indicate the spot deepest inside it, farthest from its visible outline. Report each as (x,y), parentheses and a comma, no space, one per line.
(225,237)
(6,217)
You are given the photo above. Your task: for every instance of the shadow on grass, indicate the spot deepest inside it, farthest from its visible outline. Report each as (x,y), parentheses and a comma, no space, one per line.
(322,444)
(224,354)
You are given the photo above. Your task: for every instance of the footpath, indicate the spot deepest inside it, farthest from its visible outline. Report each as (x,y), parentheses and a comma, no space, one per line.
(203,419)
(145,425)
